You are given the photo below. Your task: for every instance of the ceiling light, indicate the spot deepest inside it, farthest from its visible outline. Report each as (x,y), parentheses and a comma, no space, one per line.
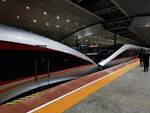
(34,21)
(18,17)
(45,13)
(27,7)
(3,0)
(67,20)
(57,26)
(47,23)
(58,17)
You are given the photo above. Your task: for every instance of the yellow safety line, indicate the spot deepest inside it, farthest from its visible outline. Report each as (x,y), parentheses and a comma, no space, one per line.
(68,101)
(24,98)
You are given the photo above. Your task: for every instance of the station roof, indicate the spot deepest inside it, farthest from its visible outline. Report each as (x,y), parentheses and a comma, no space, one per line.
(94,21)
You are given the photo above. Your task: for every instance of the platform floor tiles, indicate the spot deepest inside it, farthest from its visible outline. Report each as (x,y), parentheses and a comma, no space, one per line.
(128,94)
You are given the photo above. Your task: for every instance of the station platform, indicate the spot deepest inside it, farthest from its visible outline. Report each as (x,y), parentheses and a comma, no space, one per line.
(124,88)
(129,93)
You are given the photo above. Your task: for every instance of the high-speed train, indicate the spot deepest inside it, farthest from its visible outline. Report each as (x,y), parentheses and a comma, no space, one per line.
(119,54)
(29,61)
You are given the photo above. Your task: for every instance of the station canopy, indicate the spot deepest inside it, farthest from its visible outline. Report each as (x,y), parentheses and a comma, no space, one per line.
(93,22)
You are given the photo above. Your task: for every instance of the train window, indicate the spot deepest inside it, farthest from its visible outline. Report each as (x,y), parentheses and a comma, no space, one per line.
(22,63)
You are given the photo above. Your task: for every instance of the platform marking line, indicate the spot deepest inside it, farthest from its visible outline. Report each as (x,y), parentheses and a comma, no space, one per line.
(64,102)
(24,98)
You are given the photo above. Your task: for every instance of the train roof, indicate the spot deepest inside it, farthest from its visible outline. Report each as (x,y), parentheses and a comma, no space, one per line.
(16,35)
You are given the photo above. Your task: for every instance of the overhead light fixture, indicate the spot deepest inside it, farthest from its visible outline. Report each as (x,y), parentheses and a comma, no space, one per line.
(47,23)
(18,17)
(34,21)
(45,13)
(57,26)
(57,17)
(67,20)
(3,0)
(27,7)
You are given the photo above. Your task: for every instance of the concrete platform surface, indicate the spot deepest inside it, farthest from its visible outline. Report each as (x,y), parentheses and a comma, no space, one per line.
(128,94)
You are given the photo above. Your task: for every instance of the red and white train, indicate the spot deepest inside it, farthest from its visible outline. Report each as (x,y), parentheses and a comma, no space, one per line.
(29,61)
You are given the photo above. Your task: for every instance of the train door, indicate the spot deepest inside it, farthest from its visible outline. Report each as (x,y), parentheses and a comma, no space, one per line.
(42,67)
